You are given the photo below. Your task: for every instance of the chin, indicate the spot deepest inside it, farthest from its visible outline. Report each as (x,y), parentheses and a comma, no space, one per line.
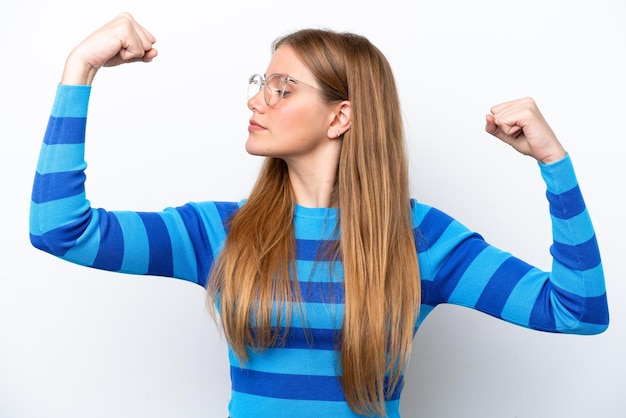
(252,150)
(255,147)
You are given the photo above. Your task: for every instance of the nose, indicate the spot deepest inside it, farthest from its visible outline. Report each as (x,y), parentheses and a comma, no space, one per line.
(256,102)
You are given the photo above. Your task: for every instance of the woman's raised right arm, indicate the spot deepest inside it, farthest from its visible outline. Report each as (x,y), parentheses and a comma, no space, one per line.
(176,242)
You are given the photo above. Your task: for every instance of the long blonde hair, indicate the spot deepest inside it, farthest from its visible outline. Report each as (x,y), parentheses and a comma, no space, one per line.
(255,270)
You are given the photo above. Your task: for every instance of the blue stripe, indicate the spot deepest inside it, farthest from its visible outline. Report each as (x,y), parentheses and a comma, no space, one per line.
(590,329)
(285,386)
(579,257)
(452,271)
(311,338)
(59,236)
(566,205)
(429,293)
(111,251)
(319,271)
(55,236)
(71,101)
(72,182)
(226,210)
(292,386)
(500,285)
(212,223)
(88,242)
(38,242)
(574,230)
(54,214)
(326,316)
(202,246)
(588,283)
(61,157)
(594,309)
(136,246)
(65,131)
(559,176)
(161,263)
(313,250)
(241,405)
(542,316)
(430,229)
(291,361)
(519,306)
(322,292)
(307,249)
(477,276)
(183,254)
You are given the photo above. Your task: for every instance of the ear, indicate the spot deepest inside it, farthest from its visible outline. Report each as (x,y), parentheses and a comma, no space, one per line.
(340,119)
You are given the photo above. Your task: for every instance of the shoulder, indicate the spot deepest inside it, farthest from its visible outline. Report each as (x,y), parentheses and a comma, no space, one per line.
(434,227)
(209,211)
(424,215)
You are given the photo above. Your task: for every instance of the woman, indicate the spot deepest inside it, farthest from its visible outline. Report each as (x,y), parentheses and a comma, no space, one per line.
(322,275)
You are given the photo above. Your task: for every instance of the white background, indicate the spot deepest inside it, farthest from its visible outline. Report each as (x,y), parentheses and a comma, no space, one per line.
(81,343)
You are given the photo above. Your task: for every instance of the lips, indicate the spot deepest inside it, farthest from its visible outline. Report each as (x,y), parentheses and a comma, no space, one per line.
(255,126)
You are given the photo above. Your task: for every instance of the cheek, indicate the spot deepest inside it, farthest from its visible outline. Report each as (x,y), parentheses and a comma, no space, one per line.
(289,119)
(302,120)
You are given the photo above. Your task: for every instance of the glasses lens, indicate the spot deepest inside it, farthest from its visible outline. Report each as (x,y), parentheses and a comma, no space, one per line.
(255,83)
(274,91)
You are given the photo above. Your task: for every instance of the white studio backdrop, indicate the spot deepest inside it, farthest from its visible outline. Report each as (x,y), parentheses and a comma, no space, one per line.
(75,342)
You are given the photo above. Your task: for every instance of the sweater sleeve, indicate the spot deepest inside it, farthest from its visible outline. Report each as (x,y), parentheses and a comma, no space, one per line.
(457,266)
(176,242)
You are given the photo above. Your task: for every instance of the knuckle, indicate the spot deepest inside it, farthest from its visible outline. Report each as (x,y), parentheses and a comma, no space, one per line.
(126,16)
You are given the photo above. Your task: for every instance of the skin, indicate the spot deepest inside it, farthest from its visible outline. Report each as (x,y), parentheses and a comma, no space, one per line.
(520,124)
(301,129)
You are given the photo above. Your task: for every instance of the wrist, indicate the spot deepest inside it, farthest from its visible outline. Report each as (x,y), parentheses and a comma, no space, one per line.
(553,157)
(551,152)
(78,71)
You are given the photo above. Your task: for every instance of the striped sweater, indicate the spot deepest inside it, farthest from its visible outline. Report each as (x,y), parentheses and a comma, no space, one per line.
(300,378)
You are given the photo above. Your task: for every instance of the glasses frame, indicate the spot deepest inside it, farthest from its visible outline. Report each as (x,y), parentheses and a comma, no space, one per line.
(269,93)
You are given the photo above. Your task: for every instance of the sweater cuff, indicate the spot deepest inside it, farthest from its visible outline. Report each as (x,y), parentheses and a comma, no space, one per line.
(71,101)
(559,176)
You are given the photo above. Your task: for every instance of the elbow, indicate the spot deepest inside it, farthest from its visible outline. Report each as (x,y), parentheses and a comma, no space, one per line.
(48,233)
(592,321)
(37,241)
(38,238)
(603,324)
(596,315)
(40,243)
(583,315)
(56,242)
(592,329)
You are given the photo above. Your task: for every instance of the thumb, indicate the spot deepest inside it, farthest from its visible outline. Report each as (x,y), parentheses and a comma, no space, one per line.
(490,124)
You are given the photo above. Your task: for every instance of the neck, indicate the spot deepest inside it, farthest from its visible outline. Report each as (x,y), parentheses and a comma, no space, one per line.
(313,179)
(311,190)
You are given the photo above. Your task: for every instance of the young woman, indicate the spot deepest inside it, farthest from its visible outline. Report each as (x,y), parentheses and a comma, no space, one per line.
(322,275)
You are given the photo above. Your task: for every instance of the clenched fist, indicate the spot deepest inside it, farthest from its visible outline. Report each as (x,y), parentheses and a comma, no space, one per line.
(520,124)
(120,41)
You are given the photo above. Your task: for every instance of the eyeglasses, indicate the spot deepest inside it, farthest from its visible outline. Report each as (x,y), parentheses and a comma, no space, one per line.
(276,87)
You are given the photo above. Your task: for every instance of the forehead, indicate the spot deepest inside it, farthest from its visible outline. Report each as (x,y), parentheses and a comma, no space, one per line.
(286,61)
